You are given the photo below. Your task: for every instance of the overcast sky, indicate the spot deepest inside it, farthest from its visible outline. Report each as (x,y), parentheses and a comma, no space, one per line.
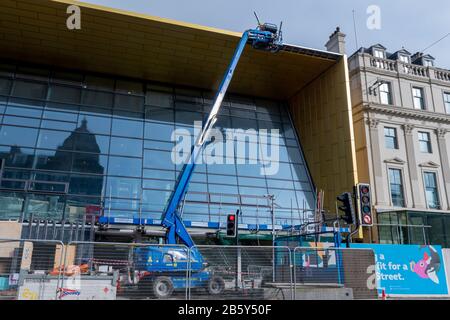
(412,24)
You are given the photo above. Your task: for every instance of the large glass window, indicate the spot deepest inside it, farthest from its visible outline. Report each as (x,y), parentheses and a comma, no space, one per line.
(160,98)
(30,90)
(89,163)
(390,138)
(158,160)
(17,157)
(18,137)
(126,147)
(83,140)
(11,205)
(123,188)
(431,190)
(23,112)
(86,185)
(154,200)
(425,142)
(159,131)
(60,115)
(437,233)
(88,142)
(94,124)
(98,99)
(64,94)
(128,167)
(417,228)
(396,185)
(53,160)
(129,102)
(5,85)
(127,128)
(50,139)
(19,121)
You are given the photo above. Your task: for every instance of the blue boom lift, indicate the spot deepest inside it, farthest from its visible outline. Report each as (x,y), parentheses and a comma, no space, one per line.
(165,267)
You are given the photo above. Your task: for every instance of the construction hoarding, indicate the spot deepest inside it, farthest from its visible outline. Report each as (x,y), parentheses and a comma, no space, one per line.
(409,270)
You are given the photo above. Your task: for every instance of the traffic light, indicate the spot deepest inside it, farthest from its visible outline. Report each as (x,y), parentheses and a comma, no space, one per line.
(347,207)
(365,204)
(231,225)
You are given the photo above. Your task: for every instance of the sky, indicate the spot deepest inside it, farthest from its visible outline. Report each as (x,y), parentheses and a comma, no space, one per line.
(412,24)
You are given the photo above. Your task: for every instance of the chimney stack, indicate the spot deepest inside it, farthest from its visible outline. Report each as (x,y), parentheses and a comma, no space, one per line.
(336,43)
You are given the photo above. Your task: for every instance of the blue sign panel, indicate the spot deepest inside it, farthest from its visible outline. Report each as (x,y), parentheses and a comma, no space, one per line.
(404,270)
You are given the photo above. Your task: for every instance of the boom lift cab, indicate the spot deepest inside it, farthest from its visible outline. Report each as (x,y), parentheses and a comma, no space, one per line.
(164,268)
(266,36)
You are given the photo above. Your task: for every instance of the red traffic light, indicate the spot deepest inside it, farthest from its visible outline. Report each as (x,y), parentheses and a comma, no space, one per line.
(232,225)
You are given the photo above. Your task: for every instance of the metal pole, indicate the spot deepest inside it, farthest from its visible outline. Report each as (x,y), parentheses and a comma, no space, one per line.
(238,253)
(271,198)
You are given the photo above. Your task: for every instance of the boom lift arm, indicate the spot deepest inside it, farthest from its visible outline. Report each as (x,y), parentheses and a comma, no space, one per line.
(265,37)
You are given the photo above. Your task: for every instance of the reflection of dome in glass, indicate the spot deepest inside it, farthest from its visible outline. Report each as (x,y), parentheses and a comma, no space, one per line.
(82,140)
(86,157)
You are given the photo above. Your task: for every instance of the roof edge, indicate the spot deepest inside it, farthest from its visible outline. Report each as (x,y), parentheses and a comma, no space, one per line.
(148,17)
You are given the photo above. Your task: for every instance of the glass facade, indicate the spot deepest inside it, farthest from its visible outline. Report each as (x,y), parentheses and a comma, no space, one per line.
(76,143)
(414,228)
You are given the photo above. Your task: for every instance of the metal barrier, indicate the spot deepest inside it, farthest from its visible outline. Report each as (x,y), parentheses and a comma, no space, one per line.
(124,271)
(241,272)
(49,270)
(30,269)
(332,273)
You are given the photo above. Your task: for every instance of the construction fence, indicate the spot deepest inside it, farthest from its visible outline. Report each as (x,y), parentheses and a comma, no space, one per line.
(52,270)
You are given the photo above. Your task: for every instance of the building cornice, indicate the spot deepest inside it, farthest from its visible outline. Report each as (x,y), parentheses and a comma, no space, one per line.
(421,115)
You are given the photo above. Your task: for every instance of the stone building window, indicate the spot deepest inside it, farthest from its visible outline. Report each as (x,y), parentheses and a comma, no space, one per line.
(425,142)
(404,59)
(390,138)
(447,101)
(418,97)
(386,93)
(428,63)
(378,53)
(431,190)
(396,184)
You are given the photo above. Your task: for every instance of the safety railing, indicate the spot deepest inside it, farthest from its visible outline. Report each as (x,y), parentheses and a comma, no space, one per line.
(333,273)
(30,269)
(124,271)
(50,270)
(241,272)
